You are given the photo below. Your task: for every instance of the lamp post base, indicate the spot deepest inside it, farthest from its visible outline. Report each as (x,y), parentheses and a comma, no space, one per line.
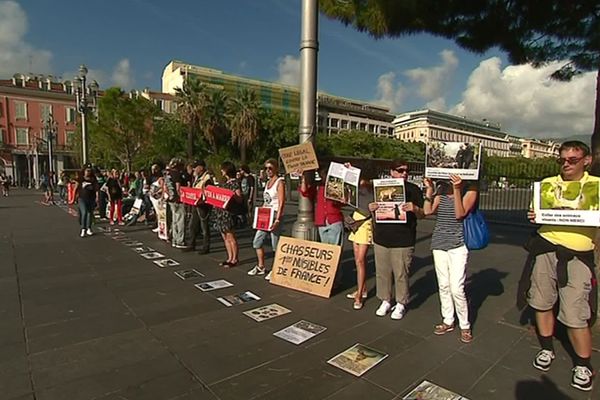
(305,230)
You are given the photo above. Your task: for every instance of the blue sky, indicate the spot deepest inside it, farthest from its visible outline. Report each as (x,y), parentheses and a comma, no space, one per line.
(128,43)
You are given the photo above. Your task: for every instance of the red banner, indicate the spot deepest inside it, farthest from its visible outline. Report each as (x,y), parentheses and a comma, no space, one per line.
(191,196)
(216,196)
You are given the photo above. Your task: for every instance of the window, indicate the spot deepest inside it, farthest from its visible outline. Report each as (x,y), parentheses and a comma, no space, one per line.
(20,110)
(45,111)
(22,136)
(1,135)
(70,114)
(70,136)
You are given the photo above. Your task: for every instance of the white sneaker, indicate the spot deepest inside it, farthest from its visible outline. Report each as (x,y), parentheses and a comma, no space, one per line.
(257,271)
(398,311)
(268,277)
(383,309)
(89,232)
(82,233)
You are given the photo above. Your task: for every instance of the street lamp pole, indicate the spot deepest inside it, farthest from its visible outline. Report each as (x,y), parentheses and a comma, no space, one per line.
(83,107)
(50,127)
(304,227)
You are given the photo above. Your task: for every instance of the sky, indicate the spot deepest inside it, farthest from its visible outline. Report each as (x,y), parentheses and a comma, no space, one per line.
(128,43)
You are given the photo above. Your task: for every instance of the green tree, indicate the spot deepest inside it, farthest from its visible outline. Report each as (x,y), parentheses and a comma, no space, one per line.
(277,129)
(167,140)
(244,118)
(214,123)
(191,104)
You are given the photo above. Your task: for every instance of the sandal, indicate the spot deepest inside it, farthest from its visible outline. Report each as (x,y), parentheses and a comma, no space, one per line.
(353,295)
(357,305)
(224,263)
(442,329)
(466,336)
(230,264)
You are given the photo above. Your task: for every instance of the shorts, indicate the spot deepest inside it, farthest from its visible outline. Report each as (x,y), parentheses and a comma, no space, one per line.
(574,309)
(261,236)
(364,234)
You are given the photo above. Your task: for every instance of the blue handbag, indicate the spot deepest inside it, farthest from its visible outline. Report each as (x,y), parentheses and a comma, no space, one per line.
(476,233)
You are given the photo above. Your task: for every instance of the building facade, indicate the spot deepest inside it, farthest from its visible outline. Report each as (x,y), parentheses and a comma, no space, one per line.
(537,149)
(32,110)
(335,114)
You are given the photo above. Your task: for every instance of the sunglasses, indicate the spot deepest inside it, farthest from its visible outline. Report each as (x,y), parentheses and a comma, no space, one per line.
(570,160)
(401,170)
(268,167)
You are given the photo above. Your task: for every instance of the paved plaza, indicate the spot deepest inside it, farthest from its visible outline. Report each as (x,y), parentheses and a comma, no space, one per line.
(90,319)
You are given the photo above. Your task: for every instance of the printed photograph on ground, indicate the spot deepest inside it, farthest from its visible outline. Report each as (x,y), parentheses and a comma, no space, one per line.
(188,274)
(143,249)
(358,359)
(300,332)
(236,299)
(167,262)
(132,243)
(267,312)
(152,256)
(569,196)
(430,391)
(443,159)
(213,285)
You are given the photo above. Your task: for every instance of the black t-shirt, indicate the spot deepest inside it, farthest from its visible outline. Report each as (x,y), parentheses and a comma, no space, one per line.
(400,235)
(115,192)
(87,189)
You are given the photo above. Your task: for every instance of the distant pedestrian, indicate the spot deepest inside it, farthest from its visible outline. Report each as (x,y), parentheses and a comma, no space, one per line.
(115,196)
(85,195)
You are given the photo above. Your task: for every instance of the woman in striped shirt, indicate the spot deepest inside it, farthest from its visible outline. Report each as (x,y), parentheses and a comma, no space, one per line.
(452,204)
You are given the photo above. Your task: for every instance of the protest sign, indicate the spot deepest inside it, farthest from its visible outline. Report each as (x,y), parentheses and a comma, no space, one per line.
(266,312)
(300,332)
(236,299)
(305,265)
(567,203)
(430,391)
(161,219)
(299,157)
(218,197)
(191,196)
(443,159)
(358,359)
(341,184)
(263,218)
(390,196)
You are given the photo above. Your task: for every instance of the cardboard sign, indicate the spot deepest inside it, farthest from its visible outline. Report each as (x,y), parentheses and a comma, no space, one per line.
(191,196)
(305,265)
(263,218)
(299,157)
(217,196)
(567,203)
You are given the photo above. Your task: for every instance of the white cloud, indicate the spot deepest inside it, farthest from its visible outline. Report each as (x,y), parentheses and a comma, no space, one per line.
(389,94)
(16,55)
(433,82)
(526,101)
(122,75)
(288,69)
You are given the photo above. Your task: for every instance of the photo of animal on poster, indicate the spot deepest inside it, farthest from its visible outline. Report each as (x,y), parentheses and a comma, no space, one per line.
(341,184)
(567,203)
(390,195)
(443,159)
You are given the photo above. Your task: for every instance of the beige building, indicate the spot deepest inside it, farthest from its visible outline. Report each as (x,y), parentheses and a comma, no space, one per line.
(536,149)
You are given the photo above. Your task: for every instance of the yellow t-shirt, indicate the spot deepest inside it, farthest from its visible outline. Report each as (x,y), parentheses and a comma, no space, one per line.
(578,238)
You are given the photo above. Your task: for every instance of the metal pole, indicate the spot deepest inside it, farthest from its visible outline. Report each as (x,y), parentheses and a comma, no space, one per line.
(49,137)
(29,169)
(304,227)
(83,108)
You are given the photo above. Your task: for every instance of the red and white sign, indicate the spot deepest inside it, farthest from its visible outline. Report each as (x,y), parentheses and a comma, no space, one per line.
(191,196)
(218,197)
(263,218)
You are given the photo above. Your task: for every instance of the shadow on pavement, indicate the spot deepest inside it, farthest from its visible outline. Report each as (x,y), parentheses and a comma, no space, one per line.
(544,389)
(480,285)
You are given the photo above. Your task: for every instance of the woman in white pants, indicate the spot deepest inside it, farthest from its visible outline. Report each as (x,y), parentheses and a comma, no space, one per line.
(452,204)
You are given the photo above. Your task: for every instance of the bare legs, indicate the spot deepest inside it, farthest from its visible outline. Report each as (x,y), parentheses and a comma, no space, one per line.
(360,259)
(231,246)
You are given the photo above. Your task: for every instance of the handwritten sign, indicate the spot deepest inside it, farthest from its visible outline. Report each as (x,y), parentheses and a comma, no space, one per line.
(299,157)
(263,218)
(305,265)
(191,196)
(216,196)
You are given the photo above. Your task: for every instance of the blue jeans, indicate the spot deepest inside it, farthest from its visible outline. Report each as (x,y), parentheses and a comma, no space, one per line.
(260,236)
(332,234)
(85,213)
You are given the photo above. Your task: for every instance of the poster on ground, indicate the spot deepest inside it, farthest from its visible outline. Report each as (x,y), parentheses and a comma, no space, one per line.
(191,196)
(443,159)
(188,274)
(217,196)
(358,359)
(300,332)
(430,391)
(166,262)
(240,298)
(301,157)
(263,218)
(390,195)
(154,255)
(213,285)
(305,265)
(267,312)
(567,203)
(132,243)
(341,184)
(143,249)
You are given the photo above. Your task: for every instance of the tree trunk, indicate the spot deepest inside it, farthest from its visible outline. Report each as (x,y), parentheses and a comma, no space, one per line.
(596,132)
(190,144)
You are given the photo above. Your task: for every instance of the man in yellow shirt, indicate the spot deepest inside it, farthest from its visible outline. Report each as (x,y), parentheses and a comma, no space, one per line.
(563,268)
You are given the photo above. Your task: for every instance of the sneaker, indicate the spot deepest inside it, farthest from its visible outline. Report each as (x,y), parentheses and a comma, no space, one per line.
(121,223)
(383,309)
(442,329)
(398,311)
(543,359)
(257,271)
(582,378)
(89,232)
(82,233)
(268,277)
(155,230)
(353,295)
(466,335)
(357,305)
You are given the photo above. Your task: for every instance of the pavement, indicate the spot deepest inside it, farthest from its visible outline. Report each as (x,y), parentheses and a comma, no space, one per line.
(91,319)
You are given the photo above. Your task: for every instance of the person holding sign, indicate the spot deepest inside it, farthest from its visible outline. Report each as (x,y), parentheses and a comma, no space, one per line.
(394,245)
(202,178)
(449,250)
(224,219)
(561,266)
(274,198)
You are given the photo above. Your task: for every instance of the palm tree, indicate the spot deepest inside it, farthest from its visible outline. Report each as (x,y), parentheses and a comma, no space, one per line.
(244,117)
(191,105)
(215,118)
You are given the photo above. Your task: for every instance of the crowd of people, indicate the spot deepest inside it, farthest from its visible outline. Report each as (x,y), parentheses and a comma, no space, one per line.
(560,266)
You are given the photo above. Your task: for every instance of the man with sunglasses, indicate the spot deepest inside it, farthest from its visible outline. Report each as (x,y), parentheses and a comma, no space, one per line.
(561,266)
(394,245)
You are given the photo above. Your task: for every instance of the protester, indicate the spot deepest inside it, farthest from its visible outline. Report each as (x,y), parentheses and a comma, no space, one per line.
(202,178)
(4,184)
(561,266)
(224,219)
(362,238)
(394,245)
(85,195)
(273,197)
(115,196)
(449,251)
(173,182)
(103,201)
(62,186)
(248,185)
(49,188)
